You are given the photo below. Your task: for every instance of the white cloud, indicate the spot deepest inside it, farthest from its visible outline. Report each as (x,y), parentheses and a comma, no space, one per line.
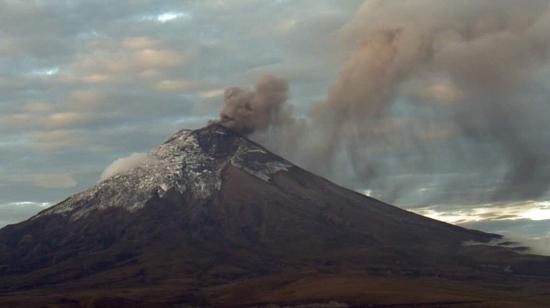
(170,16)
(536,245)
(531,210)
(46,71)
(25,203)
(165,17)
(125,164)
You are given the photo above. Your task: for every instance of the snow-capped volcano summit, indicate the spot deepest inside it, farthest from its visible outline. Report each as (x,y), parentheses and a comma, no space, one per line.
(189,162)
(210,207)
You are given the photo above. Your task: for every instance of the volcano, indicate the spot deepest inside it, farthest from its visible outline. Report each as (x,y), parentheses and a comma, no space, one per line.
(213,219)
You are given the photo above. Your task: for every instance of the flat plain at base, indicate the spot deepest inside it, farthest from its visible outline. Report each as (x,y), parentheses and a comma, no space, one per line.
(298,289)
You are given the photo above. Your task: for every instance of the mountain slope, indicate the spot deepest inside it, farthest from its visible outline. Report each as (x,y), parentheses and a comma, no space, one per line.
(211,207)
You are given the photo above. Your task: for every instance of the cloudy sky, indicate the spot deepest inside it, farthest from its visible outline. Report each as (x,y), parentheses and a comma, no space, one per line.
(83,83)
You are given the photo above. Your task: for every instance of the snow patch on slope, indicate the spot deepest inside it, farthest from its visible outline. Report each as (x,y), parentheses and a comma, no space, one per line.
(176,165)
(179,164)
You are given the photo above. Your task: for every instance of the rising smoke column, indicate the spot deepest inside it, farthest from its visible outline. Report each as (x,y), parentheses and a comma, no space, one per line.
(248,111)
(477,62)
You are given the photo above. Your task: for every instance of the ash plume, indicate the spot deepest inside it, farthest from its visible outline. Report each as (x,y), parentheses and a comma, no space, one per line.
(480,50)
(247,111)
(430,86)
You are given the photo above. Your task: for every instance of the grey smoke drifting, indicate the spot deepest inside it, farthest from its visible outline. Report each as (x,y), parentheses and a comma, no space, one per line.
(429,87)
(249,111)
(486,53)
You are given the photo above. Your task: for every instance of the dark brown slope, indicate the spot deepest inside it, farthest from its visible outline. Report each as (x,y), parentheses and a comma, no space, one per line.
(265,216)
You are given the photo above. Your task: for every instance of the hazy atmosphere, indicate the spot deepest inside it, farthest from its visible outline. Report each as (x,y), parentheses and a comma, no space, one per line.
(442,111)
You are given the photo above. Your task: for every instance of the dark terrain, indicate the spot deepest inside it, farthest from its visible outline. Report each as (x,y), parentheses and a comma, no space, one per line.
(217,220)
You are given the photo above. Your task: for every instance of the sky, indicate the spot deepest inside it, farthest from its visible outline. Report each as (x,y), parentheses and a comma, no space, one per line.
(456,131)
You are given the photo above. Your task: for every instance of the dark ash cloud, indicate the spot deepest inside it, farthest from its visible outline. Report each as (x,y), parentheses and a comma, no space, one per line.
(249,111)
